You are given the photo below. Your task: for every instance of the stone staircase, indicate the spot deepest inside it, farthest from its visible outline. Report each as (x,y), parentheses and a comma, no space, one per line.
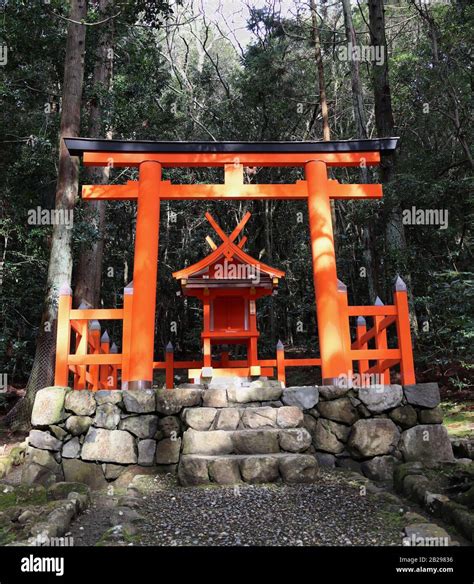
(233,438)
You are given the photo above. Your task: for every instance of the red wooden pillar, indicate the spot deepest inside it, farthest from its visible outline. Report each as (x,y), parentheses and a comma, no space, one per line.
(144,276)
(113,373)
(126,334)
(207,361)
(345,327)
(105,377)
(252,347)
(407,366)
(381,342)
(281,375)
(94,339)
(363,363)
(82,345)
(331,346)
(63,336)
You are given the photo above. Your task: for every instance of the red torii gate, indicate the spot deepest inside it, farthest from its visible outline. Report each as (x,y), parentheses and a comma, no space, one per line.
(150,157)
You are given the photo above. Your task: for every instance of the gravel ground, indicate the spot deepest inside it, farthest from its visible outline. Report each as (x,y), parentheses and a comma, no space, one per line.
(331,512)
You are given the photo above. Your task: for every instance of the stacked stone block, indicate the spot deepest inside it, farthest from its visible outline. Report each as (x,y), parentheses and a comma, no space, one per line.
(232,431)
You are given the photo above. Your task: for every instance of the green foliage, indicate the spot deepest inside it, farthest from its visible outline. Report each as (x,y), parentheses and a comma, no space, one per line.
(448,304)
(459,418)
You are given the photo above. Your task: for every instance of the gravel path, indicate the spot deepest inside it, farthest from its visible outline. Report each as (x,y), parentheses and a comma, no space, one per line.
(331,512)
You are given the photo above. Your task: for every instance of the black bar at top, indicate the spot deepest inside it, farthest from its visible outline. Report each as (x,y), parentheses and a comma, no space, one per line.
(77,146)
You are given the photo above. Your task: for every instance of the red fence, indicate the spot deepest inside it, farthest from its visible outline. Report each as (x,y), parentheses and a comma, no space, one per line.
(95,364)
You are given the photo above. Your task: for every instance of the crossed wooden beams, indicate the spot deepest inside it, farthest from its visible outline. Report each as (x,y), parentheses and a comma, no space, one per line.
(228,239)
(233,188)
(229,249)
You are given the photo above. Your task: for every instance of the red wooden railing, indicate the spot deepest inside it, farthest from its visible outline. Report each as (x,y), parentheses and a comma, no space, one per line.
(95,364)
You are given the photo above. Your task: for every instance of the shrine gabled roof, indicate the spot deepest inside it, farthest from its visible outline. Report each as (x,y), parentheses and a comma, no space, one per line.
(227,249)
(220,252)
(78,146)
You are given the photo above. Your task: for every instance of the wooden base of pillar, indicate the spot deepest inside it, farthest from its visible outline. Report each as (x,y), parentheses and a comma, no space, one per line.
(336,381)
(140,384)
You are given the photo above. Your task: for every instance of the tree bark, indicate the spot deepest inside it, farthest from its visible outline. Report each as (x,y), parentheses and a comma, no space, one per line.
(382,97)
(320,67)
(385,124)
(60,260)
(316,38)
(89,267)
(356,86)
(367,236)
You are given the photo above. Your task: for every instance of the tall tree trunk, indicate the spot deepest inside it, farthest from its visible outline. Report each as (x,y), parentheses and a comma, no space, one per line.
(394,230)
(316,38)
(89,267)
(60,260)
(360,119)
(356,86)
(320,67)
(381,85)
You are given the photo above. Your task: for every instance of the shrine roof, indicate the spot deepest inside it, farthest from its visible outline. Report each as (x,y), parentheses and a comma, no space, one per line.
(228,250)
(78,146)
(219,253)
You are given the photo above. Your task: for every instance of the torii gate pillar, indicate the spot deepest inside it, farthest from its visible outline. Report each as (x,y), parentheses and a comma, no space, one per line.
(331,332)
(145,271)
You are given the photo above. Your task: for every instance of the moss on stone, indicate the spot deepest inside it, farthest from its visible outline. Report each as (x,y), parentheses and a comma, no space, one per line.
(17,455)
(402,471)
(464,521)
(61,490)
(5,465)
(31,495)
(467,498)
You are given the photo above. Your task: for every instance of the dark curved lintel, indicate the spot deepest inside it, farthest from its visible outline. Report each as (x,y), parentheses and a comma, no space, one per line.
(77,146)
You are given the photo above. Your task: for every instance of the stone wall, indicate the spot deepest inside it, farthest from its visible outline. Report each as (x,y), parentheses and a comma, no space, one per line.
(371,430)
(104,436)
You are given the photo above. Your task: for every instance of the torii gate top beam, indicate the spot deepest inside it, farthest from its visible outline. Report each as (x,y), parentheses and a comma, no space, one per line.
(233,157)
(122,153)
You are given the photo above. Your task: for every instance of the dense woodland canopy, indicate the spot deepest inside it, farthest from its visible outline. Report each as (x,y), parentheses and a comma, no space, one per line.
(181,71)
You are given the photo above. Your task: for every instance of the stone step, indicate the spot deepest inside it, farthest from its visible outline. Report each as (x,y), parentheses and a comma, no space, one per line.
(266,441)
(238,418)
(234,395)
(195,469)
